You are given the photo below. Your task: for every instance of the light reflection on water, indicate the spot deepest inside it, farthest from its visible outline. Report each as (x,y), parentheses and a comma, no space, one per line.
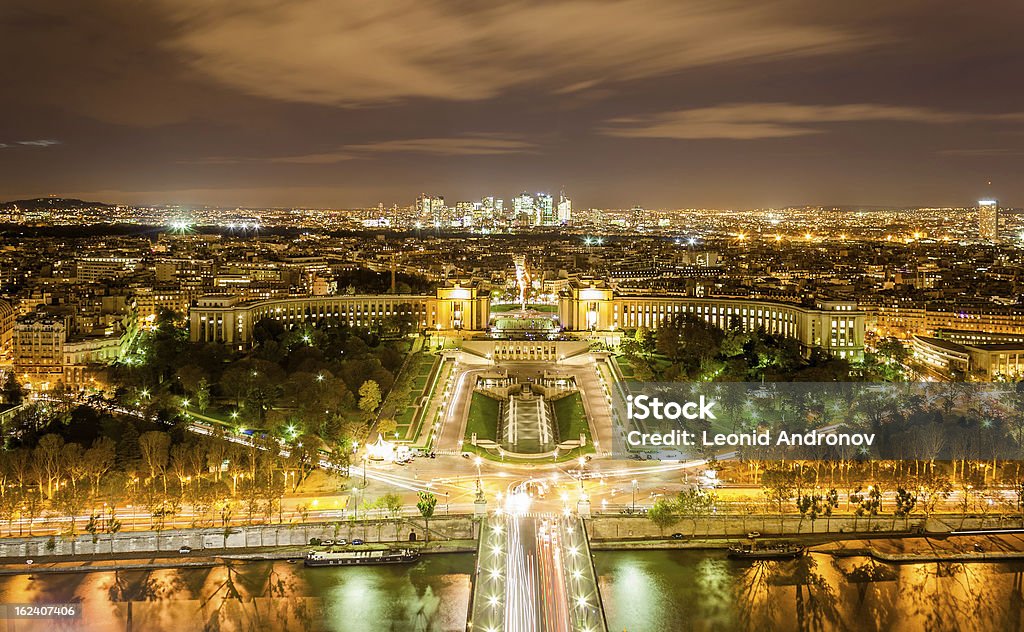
(642,590)
(432,595)
(702,590)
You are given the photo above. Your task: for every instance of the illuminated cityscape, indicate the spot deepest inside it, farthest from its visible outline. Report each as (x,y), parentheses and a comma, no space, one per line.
(530,317)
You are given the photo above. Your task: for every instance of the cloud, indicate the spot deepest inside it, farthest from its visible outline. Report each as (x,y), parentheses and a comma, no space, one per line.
(468,145)
(30,143)
(749,121)
(982,152)
(350,53)
(480,145)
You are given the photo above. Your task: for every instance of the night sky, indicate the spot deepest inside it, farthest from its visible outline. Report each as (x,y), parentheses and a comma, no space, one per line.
(664,103)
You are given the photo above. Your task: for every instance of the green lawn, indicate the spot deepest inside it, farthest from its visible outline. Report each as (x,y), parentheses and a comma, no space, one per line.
(483,417)
(624,365)
(571,417)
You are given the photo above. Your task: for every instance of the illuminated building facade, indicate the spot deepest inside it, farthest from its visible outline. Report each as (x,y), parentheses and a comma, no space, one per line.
(836,327)
(988,220)
(977,362)
(221,318)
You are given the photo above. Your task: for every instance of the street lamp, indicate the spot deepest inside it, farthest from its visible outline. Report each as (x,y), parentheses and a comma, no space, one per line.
(477,461)
(364,470)
(635,486)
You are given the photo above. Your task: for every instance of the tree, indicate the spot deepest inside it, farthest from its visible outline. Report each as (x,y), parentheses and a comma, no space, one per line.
(426,504)
(663,513)
(47,461)
(69,501)
(13,392)
(202,395)
(905,503)
(10,503)
(644,339)
(190,377)
(779,484)
(369,396)
(809,506)
(932,489)
(831,503)
(868,504)
(154,447)
(392,505)
(98,460)
(128,453)
(695,503)
(386,426)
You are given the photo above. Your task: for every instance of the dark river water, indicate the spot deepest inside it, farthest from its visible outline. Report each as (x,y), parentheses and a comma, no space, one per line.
(642,591)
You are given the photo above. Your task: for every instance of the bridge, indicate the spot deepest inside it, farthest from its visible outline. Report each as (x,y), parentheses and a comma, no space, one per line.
(535,574)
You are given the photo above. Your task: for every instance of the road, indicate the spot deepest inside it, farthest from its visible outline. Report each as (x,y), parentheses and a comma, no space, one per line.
(534,575)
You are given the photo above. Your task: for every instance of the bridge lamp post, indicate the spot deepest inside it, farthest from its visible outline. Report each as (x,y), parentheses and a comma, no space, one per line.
(635,487)
(477,461)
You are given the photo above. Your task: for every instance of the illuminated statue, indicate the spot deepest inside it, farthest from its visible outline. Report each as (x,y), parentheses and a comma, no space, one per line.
(522,278)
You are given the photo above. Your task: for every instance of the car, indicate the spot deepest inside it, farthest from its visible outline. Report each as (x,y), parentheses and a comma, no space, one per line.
(326,542)
(754,534)
(466,455)
(357,542)
(677,536)
(184,549)
(341,542)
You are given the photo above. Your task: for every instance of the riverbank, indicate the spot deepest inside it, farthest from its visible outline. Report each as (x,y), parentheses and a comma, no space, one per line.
(199,559)
(891,548)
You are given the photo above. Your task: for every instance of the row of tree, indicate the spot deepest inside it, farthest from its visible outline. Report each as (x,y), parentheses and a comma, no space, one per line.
(696,350)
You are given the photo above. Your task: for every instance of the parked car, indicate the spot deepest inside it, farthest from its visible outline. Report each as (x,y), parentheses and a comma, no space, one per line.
(677,536)
(184,550)
(357,542)
(754,534)
(341,542)
(327,542)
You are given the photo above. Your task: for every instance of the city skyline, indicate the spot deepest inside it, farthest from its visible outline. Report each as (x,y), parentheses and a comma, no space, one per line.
(803,104)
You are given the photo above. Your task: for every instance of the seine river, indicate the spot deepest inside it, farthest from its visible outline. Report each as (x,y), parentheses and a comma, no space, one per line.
(650,590)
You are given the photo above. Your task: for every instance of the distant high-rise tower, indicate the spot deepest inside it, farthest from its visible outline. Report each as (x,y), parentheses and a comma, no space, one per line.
(423,205)
(522,206)
(988,220)
(564,209)
(430,207)
(544,206)
(638,216)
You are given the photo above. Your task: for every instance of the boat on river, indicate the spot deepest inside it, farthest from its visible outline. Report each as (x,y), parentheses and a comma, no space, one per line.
(359,558)
(772,552)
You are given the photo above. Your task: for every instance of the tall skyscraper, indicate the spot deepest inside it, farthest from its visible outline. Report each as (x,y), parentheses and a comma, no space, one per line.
(638,217)
(430,207)
(544,207)
(522,206)
(423,205)
(988,220)
(564,209)
(490,211)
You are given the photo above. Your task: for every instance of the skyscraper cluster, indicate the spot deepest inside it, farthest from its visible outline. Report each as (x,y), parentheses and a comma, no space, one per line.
(527,209)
